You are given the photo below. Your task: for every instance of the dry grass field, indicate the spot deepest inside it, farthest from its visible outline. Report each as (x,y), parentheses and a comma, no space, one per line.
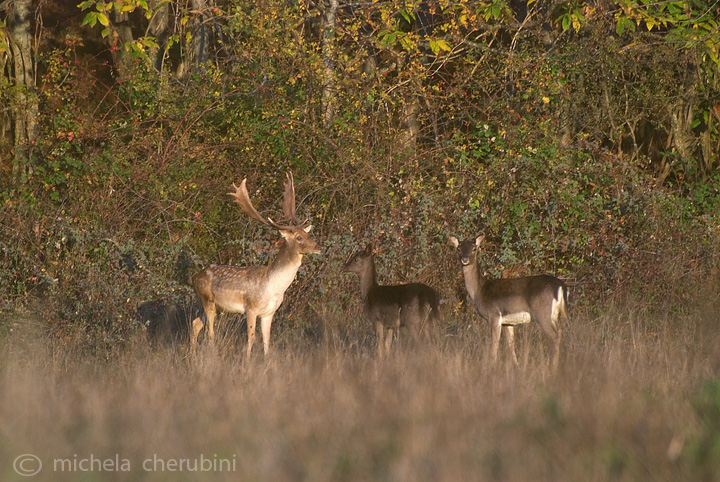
(633,399)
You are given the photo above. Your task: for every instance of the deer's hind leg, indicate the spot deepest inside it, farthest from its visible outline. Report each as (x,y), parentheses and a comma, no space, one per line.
(195,329)
(389,332)
(427,321)
(549,324)
(413,317)
(198,325)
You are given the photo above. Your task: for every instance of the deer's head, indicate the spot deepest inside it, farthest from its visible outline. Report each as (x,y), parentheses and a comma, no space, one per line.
(296,236)
(358,262)
(467,250)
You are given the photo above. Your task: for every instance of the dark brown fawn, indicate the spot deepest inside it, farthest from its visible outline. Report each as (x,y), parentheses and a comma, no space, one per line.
(256,291)
(413,305)
(505,303)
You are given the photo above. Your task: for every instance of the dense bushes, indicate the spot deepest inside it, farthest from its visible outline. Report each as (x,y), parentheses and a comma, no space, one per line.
(580,213)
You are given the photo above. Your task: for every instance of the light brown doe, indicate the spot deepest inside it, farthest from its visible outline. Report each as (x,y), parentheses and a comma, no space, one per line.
(507,302)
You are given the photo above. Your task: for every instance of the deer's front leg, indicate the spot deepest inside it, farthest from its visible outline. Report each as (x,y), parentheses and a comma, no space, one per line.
(251,317)
(265,324)
(380,334)
(510,338)
(495,327)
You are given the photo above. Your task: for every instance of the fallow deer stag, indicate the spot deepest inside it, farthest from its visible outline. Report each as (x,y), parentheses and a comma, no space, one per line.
(256,291)
(505,303)
(413,305)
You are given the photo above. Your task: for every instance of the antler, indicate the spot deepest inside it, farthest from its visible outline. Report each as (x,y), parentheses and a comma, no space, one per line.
(289,201)
(242,197)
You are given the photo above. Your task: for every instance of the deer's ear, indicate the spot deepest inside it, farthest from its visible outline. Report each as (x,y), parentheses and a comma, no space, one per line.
(453,241)
(368,248)
(307,228)
(479,240)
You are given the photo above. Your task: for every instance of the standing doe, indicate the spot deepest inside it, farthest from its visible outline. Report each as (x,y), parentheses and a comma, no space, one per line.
(513,301)
(257,291)
(413,305)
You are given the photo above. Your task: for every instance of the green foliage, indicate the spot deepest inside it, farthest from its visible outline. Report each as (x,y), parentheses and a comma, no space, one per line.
(570,15)
(4,41)
(690,25)
(101,10)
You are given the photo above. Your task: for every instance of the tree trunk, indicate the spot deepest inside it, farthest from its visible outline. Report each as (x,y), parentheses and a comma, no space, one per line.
(196,48)
(121,35)
(328,53)
(681,117)
(410,125)
(6,137)
(25,107)
(709,148)
(159,28)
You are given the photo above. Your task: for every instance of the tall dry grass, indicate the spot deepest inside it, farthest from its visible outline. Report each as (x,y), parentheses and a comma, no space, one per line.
(623,405)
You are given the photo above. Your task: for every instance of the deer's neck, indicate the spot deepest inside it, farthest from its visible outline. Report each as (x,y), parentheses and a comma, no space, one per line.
(282,269)
(367,280)
(473,281)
